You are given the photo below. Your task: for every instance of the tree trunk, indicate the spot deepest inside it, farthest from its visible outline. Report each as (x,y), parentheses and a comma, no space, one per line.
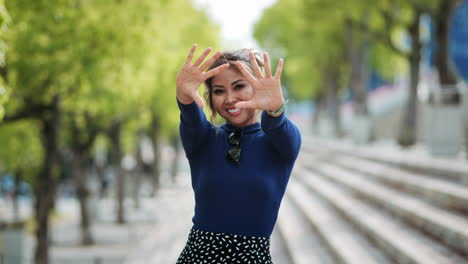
(101,163)
(136,176)
(103,181)
(358,57)
(16,190)
(154,132)
(175,161)
(139,172)
(82,194)
(45,186)
(447,74)
(408,130)
(332,100)
(116,156)
(319,105)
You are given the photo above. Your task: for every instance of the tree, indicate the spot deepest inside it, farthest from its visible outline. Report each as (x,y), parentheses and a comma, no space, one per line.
(77,69)
(37,74)
(21,153)
(406,15)
(313,42)
(448,77)
(4,19)
(403,16)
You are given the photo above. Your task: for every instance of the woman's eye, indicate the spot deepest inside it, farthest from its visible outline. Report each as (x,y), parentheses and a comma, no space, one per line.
(239,86)
(218,92)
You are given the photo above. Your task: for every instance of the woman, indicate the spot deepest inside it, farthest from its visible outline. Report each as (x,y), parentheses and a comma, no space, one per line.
(239,170)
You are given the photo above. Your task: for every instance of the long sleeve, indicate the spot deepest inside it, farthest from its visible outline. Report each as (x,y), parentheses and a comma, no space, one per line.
(283,134)
(193,128)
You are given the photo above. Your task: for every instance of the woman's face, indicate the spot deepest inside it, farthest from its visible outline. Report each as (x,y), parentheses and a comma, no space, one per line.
(228,88)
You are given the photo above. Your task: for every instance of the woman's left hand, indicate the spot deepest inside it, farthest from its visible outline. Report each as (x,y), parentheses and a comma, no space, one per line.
(267,88)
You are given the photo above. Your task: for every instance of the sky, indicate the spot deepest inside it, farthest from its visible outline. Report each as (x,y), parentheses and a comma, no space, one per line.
(236,19)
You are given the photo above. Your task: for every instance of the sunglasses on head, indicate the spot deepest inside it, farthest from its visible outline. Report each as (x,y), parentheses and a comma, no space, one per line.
(234,151)
(243,54)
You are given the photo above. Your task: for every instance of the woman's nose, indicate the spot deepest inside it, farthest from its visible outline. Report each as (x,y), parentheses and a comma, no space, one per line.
(230,98)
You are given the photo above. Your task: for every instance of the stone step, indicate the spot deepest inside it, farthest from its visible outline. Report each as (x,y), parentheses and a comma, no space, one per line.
(427,165)
(396,238)
(303,244)
(445,226)
(346,244)
(278,250)
(443,193)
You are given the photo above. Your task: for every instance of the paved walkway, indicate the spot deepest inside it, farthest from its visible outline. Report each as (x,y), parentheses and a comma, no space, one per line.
(156,232)
(114,243)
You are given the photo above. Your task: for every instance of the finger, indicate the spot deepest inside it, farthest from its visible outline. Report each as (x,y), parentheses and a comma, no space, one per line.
(255,66)
(198,100)
(279,69)
(190,56)
(245,72)
(202,57)
(266,58)
(246,105)
(210,61)
(216,70)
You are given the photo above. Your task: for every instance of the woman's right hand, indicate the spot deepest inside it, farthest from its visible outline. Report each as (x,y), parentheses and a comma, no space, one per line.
(190,76)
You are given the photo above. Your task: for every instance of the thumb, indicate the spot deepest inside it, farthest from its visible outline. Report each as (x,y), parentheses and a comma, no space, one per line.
(246,104)
(198,100)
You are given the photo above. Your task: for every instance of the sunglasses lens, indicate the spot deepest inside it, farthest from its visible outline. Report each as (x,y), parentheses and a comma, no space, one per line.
(234,154)
(234,138)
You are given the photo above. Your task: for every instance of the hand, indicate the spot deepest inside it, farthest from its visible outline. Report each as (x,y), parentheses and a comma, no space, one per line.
(190,76)
(268,94)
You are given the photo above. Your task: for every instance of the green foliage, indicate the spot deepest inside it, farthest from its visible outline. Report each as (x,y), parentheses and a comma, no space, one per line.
(4,20)
(110,61)
(308,37)
(3,97)
(312,33)
(21,150)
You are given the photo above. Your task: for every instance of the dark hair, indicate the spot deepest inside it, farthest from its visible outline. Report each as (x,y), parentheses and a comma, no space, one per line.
(241,55)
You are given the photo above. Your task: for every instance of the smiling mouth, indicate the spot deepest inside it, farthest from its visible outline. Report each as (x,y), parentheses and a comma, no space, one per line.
(233,111)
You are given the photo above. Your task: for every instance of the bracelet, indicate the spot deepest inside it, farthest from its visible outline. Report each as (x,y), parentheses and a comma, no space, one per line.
(279,111)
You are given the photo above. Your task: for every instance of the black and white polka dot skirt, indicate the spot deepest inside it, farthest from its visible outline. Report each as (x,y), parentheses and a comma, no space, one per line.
(208,247)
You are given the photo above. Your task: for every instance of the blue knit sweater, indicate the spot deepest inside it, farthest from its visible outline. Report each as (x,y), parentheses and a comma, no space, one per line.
(238,199)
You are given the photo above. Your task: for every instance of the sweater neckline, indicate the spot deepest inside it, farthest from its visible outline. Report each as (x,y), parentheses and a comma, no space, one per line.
(248,129)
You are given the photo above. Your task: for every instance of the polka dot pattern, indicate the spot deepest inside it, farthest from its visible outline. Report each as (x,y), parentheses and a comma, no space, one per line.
(220,248)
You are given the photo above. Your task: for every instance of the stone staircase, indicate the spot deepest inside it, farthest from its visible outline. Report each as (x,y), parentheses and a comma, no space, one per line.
(347,204)
(368,207)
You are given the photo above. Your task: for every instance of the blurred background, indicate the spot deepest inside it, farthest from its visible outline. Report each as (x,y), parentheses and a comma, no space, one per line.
(91,167)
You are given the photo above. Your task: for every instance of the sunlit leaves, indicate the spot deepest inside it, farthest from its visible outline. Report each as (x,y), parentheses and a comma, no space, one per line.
(21,149)
(109,60)
(4,20)
(311,33)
